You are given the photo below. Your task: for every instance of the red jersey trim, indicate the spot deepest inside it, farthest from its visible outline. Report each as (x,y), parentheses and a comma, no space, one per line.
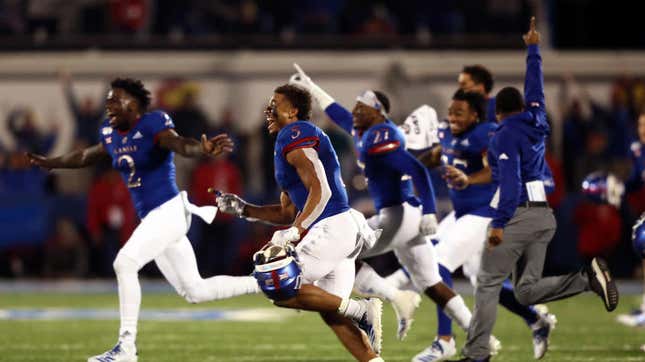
(301,143)
(384,148)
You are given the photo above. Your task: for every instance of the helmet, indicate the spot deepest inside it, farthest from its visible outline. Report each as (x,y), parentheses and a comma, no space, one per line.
(277,271)
(638,236)
(603,188)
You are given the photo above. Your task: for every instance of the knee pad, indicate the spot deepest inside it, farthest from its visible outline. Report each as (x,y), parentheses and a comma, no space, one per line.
(193,293)
(124,264)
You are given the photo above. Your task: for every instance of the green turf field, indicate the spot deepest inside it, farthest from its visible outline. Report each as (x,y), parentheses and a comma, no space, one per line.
(585,332)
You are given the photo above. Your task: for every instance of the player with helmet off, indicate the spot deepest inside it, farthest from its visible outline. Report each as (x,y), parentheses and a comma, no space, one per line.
(141,145)
(460,146)
(329,235)
(405,219)
(522,222)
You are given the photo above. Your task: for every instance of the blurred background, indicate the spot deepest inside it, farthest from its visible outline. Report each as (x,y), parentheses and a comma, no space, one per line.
(212,65)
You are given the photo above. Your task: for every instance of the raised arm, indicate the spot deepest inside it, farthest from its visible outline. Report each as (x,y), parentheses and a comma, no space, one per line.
(170,140)
(75,159)
(534,79)
(336,112)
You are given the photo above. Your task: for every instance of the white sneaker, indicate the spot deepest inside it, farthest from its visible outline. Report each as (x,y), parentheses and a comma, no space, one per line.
(541,332)
(370,323)
(635,319)
(405,304)
(121,352)
(439,350)
(494,345)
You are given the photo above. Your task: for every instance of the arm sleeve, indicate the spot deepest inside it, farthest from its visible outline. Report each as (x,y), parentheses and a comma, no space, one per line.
(510,181)
(405,163)
(534,80)
(341,116)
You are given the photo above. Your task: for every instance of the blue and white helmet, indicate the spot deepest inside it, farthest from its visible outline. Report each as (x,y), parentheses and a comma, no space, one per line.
(277,271)
(638,236)
(603,187)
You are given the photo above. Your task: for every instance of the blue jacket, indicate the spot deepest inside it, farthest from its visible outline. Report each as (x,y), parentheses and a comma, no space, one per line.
(516,152)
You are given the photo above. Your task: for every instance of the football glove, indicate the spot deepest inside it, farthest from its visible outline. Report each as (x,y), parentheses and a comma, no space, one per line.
(301,79)
(231,204)
(286,236)
(428,224)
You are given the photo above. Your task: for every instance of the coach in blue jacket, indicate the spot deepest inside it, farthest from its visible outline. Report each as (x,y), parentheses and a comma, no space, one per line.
(523,223)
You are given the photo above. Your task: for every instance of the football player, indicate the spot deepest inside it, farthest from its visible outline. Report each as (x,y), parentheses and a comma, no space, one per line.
(328,233)
(141,145)
(391,173)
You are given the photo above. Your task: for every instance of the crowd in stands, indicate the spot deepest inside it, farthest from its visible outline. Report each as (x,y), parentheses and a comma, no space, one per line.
(56,224)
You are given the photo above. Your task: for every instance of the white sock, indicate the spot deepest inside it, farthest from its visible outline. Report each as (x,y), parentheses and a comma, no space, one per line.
(220,287)
(457,310)
(352,309)
(370,283)
(129,297)
(224,286)
(377,359)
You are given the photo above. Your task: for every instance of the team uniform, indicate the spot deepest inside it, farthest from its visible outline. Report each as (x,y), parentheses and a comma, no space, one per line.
(390,172)
(149,173)
(335,233)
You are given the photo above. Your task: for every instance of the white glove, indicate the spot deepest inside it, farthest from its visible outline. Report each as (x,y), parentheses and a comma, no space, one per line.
(283,237)
(428,224)
(230,204)
(301,79)
(615,190)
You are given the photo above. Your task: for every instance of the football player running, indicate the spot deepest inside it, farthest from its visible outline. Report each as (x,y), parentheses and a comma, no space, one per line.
(328,233)
(405,219)
(141,145)
(459,146)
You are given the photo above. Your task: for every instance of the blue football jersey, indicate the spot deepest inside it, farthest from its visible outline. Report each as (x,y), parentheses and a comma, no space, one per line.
(147,169)
(387,185)
(466,152)
(303,134)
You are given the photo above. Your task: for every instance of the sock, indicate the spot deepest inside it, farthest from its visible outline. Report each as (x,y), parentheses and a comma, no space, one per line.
(352,309)
(457,311)
(129,297)
(444,323)
(224,286)
(370,283)
(507,300)
(377,359)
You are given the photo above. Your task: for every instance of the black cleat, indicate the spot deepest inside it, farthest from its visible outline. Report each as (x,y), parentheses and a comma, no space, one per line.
(601,283)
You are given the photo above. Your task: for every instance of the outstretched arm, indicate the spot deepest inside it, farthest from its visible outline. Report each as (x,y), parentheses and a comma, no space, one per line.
(75,159)
(336,112)
(170,140)
(534,79)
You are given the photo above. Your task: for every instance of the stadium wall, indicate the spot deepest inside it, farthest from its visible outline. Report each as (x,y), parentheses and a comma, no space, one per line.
(244,80)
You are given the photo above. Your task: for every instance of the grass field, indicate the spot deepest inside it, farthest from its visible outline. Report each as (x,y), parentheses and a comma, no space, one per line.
(585,332)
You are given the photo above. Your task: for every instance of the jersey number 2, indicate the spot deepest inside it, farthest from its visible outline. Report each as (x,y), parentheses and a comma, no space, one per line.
(132,182)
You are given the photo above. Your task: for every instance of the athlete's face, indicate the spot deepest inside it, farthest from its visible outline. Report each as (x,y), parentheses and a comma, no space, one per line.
(279,113)
(120,107)
(467,84)
(364,116)
(641,128)
(460,116)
